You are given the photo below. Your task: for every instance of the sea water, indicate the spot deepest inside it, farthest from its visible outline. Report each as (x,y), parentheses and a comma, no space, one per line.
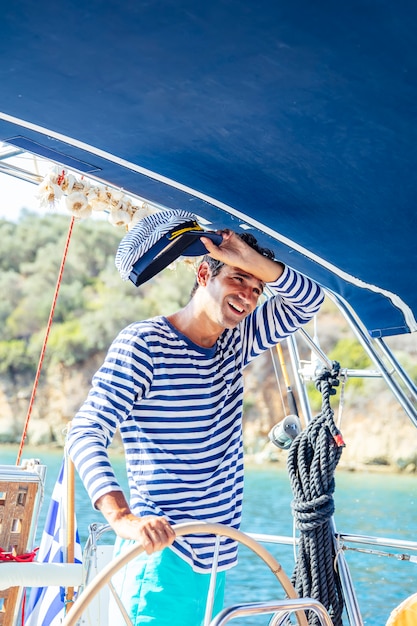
(377,504)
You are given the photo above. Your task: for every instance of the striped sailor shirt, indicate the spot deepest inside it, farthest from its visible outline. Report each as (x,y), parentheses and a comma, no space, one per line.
(179,407)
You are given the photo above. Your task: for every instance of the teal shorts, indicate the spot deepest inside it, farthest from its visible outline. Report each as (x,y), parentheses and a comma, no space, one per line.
(163,589)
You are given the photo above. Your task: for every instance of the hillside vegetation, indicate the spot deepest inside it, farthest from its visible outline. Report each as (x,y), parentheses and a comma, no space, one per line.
(94,304)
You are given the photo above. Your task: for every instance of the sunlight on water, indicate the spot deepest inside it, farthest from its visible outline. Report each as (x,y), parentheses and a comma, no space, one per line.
(383,505)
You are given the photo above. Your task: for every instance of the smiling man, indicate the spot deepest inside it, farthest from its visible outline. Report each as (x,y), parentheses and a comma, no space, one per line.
(174,388)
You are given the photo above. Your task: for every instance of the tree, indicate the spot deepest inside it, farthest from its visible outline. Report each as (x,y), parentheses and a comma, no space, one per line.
(93,304)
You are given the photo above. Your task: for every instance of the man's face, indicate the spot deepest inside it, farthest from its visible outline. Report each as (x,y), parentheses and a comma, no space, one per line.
(233,294)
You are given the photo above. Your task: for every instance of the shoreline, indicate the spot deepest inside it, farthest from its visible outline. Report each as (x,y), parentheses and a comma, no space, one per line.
(252,461)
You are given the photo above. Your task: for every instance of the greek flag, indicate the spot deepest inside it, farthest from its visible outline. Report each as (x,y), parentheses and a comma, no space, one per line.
(45,606)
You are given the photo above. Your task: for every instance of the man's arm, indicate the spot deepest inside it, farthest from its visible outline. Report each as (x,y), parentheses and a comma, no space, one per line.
(235,252)
(153,532)
(294,301)
(115,387)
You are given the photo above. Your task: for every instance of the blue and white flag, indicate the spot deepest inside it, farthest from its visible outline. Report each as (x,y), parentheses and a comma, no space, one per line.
(46,605)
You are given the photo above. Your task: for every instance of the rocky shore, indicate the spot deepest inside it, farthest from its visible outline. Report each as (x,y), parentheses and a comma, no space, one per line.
(377,433)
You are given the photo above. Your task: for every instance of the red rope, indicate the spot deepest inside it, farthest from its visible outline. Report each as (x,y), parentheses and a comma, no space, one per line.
(45,341)
(27,557)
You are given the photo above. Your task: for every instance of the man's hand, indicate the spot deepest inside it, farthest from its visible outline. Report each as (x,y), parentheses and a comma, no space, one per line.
(235,252)
(153,532)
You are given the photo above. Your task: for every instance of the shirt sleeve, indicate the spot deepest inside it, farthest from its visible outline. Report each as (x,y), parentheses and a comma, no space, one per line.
(124,376)
(295,301)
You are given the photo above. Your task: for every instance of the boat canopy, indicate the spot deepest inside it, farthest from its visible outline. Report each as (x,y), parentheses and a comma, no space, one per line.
(295,120)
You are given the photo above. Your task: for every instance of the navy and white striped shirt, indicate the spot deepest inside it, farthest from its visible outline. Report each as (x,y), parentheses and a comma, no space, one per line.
(178,407)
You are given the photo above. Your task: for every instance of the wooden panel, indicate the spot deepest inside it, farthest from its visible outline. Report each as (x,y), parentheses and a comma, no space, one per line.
(17,500)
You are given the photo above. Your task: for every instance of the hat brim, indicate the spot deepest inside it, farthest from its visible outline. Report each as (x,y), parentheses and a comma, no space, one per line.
(166,250)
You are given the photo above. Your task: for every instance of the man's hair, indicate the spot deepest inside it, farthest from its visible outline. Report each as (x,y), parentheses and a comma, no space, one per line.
(215,265)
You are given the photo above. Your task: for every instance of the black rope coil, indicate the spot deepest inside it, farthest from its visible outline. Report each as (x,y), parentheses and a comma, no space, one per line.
(312,461)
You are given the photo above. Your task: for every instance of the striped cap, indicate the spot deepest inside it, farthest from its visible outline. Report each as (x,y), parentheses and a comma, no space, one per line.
(156,241)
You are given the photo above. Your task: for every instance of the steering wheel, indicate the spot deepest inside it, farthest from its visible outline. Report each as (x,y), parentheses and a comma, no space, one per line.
(190,528)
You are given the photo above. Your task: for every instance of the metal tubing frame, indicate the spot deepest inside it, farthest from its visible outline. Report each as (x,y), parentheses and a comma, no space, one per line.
(397,367)
(262,608)
(366,341)
(351,373)
(96,530)
(386,542)
(212,585)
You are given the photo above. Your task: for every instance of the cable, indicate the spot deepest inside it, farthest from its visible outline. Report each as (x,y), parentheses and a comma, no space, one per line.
(45,341)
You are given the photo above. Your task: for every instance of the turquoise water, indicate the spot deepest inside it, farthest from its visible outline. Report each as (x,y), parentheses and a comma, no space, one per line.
(383,505)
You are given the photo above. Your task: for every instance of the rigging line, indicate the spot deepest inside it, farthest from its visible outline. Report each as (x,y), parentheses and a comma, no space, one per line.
(290,396)
(392,555)
(45,341)
(344,378)
(278,382)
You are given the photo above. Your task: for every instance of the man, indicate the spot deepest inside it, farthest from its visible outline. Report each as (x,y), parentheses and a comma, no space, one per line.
(174,387)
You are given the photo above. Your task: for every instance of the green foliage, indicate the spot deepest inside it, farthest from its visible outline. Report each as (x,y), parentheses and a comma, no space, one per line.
(14,357)
(350,354)
(11,287)
(67,343)
(20,242)
(314,396)
(171,289)
(93,304)
(408,363)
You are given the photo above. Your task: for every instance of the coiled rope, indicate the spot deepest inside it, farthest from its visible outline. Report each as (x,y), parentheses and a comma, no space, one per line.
(312,461)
